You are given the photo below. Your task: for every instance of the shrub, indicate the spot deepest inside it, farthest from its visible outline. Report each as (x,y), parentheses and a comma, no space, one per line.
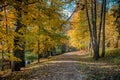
(117,61)
(113,55)
(113,52)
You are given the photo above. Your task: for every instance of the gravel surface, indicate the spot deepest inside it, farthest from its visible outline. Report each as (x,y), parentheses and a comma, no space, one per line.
(63,67)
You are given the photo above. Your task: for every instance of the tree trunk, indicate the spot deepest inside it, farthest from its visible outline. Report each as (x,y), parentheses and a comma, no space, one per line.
(18,64)
(100,24)
(103,35)
(38,51)
(89,24)
(90,48)
(38,58)
(94,27)
(19,50)
(2,61)
(7,30)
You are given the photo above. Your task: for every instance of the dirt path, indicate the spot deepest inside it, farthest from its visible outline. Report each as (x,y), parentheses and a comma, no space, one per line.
(63,67)
(68,66)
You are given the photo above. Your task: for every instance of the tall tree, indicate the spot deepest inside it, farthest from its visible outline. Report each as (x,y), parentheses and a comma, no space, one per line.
(94,33)
(21,8)
(103,28)
(18,41)
(92,26)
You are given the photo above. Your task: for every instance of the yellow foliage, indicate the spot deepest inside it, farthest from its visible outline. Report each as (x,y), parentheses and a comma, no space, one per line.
(111,31)
(11,57)
(78,34)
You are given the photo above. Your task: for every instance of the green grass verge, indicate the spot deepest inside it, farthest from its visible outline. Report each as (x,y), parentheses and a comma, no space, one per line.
(113,55)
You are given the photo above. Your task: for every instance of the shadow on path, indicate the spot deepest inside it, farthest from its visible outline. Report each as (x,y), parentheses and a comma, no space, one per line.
(63,67)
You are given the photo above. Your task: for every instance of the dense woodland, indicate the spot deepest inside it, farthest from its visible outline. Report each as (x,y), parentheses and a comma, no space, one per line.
(35,29)
(95,25)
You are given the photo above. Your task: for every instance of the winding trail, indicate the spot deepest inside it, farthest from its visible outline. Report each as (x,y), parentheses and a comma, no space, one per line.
(62,67)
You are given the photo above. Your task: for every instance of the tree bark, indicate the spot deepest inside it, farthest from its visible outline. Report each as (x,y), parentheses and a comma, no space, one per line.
(38,51)
(103,38)
(2,60)
(93,30)
(90,48)
(94,27)
(95,39)
(100,24)
(19,50)
(88,19)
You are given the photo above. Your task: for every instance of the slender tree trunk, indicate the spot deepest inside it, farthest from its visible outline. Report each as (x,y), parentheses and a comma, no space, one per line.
(103,38)
(88,19)
(90,48)
(38,58)
(2,60)
(7,32)
(94,27)
(38,51)
(100,24)
(93,30)
(89,24)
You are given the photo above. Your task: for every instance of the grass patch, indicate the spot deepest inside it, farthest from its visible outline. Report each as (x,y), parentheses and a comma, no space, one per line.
(112,56)
(114,52)
(107,68)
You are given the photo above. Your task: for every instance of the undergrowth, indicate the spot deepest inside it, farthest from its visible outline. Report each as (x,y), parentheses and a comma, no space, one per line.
(106,68)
